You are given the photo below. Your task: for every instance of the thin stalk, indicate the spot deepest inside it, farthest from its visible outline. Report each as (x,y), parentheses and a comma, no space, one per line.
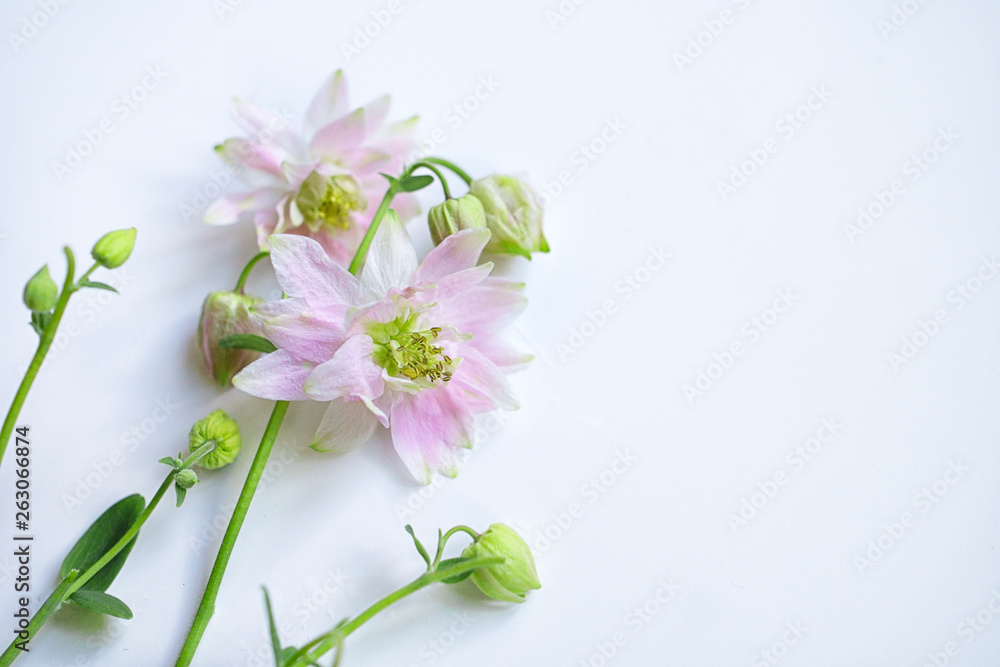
(318,647)
(247,269)
(44,343)
(437,172)
(207,606)
(75,580)
(451,165)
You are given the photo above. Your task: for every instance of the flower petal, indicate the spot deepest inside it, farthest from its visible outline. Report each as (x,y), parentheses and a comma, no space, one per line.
(305,270)
(427,427)
(330,101)
(313,334)
(506,357)
(244,153)
(479,378)
(344,133)
(392,259)
(487,308)
(456,253)
(351,372)
(228,209)
(376,112)
(266,126)
(277,376)
(345,425)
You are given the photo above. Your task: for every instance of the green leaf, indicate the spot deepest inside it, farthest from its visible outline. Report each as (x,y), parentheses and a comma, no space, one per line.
(418,545)
(170,461)
(97,285)
(247,342)
(181,494)
(280,655)
(414,183)
(99,538)
(391,179)
(39,321)
(101,603)
(458,577)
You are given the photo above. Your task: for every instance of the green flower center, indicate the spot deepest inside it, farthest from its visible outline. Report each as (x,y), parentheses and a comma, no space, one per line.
(406,352)
(329,201)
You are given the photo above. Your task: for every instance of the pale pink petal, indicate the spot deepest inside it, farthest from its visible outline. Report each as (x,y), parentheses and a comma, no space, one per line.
(392,260)
(427,427)
(247,154)
(455,285)
(228,209)
(277,376)
(330,102)
(406,205)
(351,372)
(486,308)
(365,162)
(311,334)
(344,133)
(305,270)
(345,425)
(376,112)
(265,223)
(456,253)
(266,127)
(480,377)
(506,357)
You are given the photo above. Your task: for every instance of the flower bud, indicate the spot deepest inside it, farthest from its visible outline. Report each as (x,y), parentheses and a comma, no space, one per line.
(41,292)
(512,579)
(513,214)
(224,430)
(113,248)
(186,479)
(224,314)
(454,215)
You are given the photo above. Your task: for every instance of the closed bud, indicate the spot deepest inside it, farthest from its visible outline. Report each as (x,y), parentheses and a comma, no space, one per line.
(512,579)
(224,430)
(186,479)
(513,214)
(41,292)
(454,215)
(225,314)
(114,248)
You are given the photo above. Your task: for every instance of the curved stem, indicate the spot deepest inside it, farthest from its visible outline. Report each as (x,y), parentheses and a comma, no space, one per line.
(247,269)
(450,165)
(437,172)
(359,256)
(443,540)
(207,606)
(48,608)
(74,581)
(318,647)
(44,343)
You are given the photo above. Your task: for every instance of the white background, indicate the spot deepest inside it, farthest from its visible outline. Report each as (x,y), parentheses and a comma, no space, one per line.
(337,523)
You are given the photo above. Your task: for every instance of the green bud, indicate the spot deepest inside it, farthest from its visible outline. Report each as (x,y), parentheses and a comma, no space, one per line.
(513,214)
(512,579)
(454,215)
(113,248)
(224,314)
(186,479)
(41,292)
(224,430)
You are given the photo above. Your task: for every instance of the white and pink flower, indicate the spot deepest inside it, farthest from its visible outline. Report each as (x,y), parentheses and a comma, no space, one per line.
(325,185)
(415,348)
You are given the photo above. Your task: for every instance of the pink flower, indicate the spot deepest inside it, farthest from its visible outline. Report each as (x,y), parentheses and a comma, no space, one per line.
(415,348)
(326,187)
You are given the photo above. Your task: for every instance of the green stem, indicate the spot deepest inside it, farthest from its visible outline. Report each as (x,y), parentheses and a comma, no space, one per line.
(48,608)
(383,207)
(74,581)
(44,343)
(437,172)
(443,540)
(450,165)
(207,606)
(247,269)
(318,647)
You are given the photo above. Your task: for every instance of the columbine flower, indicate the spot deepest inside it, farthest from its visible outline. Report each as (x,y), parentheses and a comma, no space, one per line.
(414,348)
(326,186)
